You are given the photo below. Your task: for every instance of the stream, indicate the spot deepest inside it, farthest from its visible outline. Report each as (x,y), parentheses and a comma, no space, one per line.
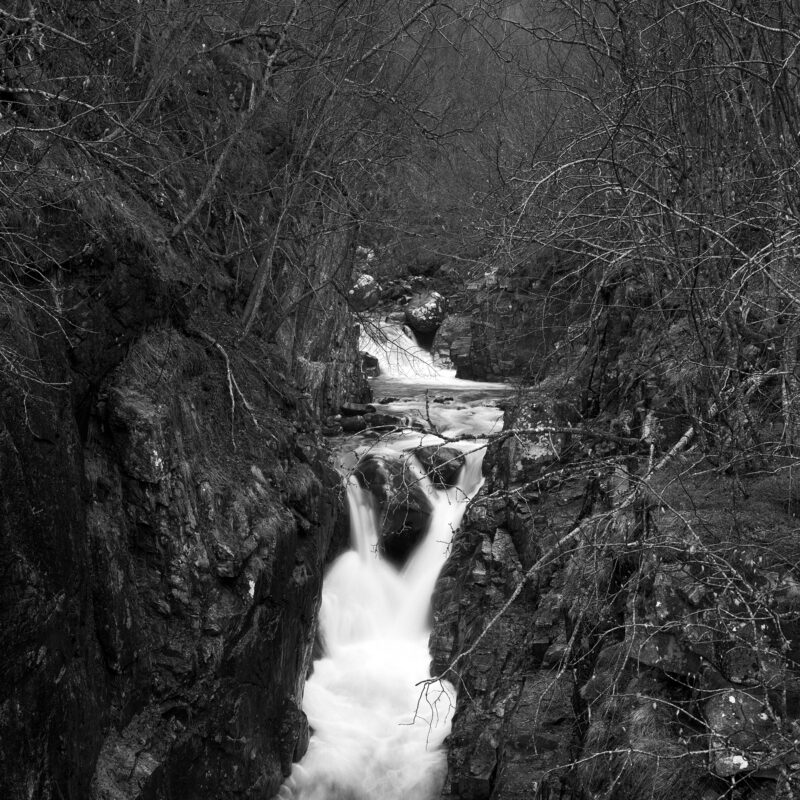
(378,728)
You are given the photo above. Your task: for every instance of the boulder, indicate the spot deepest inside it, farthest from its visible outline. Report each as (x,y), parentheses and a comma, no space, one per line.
(383,421)
(331,426)
(395,318)
(426,312)
(453,328)
(461,358)
(364,294)
(356,409)
(441,463)
(404,508)
(353,424)
(740,731)
(370,365)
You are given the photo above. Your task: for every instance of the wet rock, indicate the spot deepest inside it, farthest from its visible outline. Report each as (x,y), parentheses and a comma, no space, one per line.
(380,421)
(461,359)
(353,424)
(370,365)
(426,312)
(454,328)
(332,426)
(404,508)
(396,291)
(396,318)
(364,294)
(441,463)
(138,427)
(54,676)
(356,409)
(513,725)
(740,727)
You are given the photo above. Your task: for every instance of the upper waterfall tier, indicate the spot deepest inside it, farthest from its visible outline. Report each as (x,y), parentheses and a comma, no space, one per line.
(398,353)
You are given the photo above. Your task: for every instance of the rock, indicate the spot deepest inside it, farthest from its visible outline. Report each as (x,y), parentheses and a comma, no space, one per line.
(740,731)
(370,365)
(395,291)
(461,358)
(364,294)
(382,421)
(453,328)
(351,424)
(514,318)
(403,506)
(138,426)
(442,464)
(356,409)
(426,312)
(513,726)
(396,318)
(384,401)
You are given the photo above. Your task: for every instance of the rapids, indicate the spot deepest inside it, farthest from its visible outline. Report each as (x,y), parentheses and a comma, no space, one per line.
(378,727)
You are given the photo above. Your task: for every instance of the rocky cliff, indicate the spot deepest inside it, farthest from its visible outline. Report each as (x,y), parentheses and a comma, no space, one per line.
(167,508)
(507,322)
(614,634)
(175,256)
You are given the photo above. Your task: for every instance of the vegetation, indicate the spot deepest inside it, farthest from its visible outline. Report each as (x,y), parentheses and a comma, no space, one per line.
(634,163)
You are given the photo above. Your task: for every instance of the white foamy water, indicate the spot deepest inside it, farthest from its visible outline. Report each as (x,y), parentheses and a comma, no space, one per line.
(378,728)
(397,351)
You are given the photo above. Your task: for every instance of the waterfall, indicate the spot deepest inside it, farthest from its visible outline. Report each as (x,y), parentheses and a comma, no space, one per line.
(378,729)
(397,351)
(378,725)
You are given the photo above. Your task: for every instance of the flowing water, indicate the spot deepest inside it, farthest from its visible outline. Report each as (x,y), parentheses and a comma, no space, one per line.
(377,726)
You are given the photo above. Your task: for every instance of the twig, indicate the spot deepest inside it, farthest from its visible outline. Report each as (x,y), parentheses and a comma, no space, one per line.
(675,449)
(244,119)
(232,384)
(43,26)
(566,539)
(542,562)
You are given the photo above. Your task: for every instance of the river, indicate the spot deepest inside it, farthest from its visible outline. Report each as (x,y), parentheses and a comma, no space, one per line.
(378,727)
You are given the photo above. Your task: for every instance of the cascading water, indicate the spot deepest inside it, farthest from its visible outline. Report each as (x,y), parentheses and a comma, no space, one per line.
(397,351)
(377,725)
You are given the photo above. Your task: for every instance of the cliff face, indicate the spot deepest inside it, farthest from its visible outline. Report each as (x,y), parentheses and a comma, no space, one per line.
(514,718)
(508,323)
(625,633)
(167,508)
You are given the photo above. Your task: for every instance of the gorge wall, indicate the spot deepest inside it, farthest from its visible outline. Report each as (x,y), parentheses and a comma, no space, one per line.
(173,266)
(622,633)
(167,509)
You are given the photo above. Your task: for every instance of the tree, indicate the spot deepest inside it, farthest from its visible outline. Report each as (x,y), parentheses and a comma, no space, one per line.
(668,193)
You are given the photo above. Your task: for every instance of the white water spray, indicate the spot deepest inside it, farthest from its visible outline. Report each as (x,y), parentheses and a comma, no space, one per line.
(378,727)
(397,351)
